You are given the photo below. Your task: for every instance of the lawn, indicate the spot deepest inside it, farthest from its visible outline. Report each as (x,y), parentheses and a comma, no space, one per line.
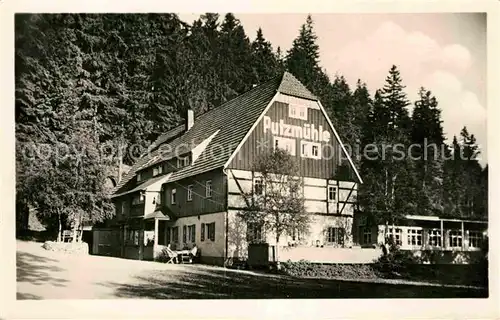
(48,275)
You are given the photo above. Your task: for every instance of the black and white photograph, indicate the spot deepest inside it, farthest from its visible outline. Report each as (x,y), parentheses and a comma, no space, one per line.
(242,155)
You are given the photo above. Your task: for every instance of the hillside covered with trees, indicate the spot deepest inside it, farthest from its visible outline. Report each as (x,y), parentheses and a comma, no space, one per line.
(109,84)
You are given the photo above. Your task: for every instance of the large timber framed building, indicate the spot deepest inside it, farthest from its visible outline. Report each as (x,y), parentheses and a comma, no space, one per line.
(189,187)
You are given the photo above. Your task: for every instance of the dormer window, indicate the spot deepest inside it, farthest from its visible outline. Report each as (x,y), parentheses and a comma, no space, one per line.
(183,161)
(157,170)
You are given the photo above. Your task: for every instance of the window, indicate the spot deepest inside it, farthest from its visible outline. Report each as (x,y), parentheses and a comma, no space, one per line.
(285,144)
(475,239)
(124,203)
(315,151)
(138,199)
(192,233)
(175,234)
(396,234)
(183,162)
(132,238)
(297,111)
(208,189)
(455,238)
(157,170)
(184,234)
(211,231)
(255,233)
(435,238)
(367,235)
(258,186)
(414,237)
(139,178)
(202,233)
(335,235)
(332,193)
(173,197)
(297,235)
(302,113)
(310,149)
(190,192)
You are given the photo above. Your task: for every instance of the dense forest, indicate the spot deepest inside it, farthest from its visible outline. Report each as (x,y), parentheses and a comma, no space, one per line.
(108,85)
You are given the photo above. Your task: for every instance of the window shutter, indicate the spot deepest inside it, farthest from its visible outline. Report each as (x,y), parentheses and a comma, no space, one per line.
(184,233)
(202,232)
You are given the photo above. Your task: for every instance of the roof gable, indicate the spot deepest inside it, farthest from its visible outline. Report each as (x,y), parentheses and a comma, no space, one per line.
(291,86)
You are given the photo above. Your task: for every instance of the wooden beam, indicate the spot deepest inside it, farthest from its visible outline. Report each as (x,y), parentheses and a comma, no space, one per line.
(348,196)
(241,189)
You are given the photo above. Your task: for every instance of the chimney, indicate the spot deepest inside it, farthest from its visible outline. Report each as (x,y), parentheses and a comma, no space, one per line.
(189,119)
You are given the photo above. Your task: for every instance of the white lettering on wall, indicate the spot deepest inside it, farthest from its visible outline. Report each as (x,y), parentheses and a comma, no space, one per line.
(308,131)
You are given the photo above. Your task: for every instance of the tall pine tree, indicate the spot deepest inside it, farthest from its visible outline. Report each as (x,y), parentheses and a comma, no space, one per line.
(427,139)
(264,61)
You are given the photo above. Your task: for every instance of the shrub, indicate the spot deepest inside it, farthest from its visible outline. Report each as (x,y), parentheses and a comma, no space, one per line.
(303,268)
(395,262)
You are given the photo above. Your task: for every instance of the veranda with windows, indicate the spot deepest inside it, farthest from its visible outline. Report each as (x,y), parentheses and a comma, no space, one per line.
(429,233)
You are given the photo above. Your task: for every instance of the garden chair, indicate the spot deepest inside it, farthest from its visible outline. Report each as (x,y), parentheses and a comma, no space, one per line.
(172,255)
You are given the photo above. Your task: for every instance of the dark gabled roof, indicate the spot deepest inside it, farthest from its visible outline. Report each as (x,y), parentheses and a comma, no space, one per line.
(168,136)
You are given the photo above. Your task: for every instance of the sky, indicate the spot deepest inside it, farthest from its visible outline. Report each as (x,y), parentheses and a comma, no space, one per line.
(443,52)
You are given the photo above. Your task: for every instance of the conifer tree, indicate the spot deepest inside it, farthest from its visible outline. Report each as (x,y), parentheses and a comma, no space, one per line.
(464,179)
(428,152)
(234,56)
(355,120)
(388,193)
(264,61)
(302,59)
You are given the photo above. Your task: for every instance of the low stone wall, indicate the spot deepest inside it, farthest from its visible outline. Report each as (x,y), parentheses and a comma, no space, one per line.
(329,254)
(67,247)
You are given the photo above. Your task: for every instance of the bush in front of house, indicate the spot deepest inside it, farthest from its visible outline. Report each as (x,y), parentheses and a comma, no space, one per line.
(306,269)
(394,262)
(67,247)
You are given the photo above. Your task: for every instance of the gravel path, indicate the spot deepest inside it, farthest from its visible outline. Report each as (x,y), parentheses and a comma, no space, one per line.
(48,275)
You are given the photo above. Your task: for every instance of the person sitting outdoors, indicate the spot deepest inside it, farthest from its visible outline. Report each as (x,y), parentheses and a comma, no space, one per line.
(193,253)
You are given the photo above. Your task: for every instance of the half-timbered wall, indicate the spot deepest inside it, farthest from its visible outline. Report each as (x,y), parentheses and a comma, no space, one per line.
(315,193)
